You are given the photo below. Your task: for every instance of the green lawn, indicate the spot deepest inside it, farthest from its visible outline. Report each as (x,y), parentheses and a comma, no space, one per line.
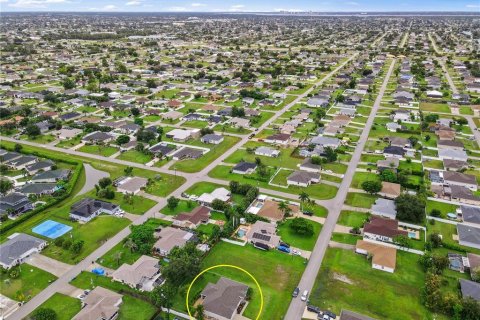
(442,206)
(372,292)
(67,144)
(296,240)
(64,306)
(317,191)
(109,259)
(352,218)
(134,308)
(94,233)
(135,156)
(361,200)
(206,228)
(195,165)
(183,206)
(139,205)
(346,238)
(104,151)
(43,139)
(30,282)
(360,177)
(278,274)
(284,160)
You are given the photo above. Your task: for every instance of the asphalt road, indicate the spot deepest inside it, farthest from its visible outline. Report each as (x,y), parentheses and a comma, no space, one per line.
(297,306)
(192,178)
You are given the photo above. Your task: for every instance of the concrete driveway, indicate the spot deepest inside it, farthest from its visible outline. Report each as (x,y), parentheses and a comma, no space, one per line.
(50,265)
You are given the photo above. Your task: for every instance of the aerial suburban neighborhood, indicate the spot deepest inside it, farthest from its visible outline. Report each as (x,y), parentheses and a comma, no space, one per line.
(235,163)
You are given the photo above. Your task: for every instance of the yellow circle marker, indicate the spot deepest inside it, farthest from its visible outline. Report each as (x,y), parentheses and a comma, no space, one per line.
(226,266)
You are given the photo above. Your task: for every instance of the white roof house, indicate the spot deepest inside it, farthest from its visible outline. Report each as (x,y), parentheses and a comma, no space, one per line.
(219,193)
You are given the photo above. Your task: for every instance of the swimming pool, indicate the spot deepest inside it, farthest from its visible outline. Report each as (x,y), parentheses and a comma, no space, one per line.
(51,229)
(241,233)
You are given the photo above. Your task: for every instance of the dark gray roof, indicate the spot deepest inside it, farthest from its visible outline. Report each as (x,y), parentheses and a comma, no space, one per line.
(471,214)
(37,188)
(162,149)
(16,246)
(212,137)
(470,289)
(244,166)
(40,165)
(468,233)
(53,174)
(88,206)
(12,198)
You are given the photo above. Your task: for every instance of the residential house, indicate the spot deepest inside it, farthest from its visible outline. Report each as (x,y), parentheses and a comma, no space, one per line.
(452,154)
(468,235)
(350,315)
(38,189)
(395,152)
(187,153)
(98,137)
(303,178)
(224,299)
(470,214)
(141,275)
(390,163)
(100,304)
(470,289)
(390,190)
(384,208)
(383,258)
(264,233)
(51,176)
(88,208)
(381,229)
(222,194)
(131,185)
(244,167)
(278,139)
(40,166)
(212,138)
(199,215)
(169,238)
(267,152)
(460,179)
(14,204)
(17,248)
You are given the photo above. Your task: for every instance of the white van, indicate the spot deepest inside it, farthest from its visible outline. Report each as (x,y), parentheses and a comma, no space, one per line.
(304,295)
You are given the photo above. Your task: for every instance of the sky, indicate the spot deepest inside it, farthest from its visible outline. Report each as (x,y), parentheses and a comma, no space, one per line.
(239,5)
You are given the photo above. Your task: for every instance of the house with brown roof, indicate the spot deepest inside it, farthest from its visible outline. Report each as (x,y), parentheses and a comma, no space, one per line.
(381,229)
(264,233)
(383,258)
(390,190)
(174,104)
(100,303)
(169,238)
(192,219)
(460,179)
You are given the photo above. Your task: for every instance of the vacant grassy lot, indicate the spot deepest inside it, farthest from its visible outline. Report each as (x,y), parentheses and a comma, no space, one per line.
(346,238)
(183,206)
(277,273)
(371,292)
(360,200)
(360,177)
(435,107)
(30,282)
(442,206)
(64,306)
(352,218)
(104,151)
(317,191)
(303,242)
(135,156)
(133,308)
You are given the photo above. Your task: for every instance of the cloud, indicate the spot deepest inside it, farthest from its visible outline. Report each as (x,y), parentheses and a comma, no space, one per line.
(133,3)
(236,7)
(288,10)
(108,7)
(196,4)
(3,1)
(34,3)
(176,9)
(473,6)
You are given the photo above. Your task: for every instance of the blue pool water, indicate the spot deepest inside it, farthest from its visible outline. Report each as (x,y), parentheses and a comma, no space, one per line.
(51,229)
(241,233)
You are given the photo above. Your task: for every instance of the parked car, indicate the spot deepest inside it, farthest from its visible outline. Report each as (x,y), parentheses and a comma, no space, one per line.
(284,249)
(304,295)
(313,309)
(251,136)
(307,213)
(283,244)
(296,292)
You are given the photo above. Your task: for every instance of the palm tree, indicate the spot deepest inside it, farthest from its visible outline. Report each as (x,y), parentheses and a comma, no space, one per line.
(130,245)
(283,206)
(304,197)
(117,256)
